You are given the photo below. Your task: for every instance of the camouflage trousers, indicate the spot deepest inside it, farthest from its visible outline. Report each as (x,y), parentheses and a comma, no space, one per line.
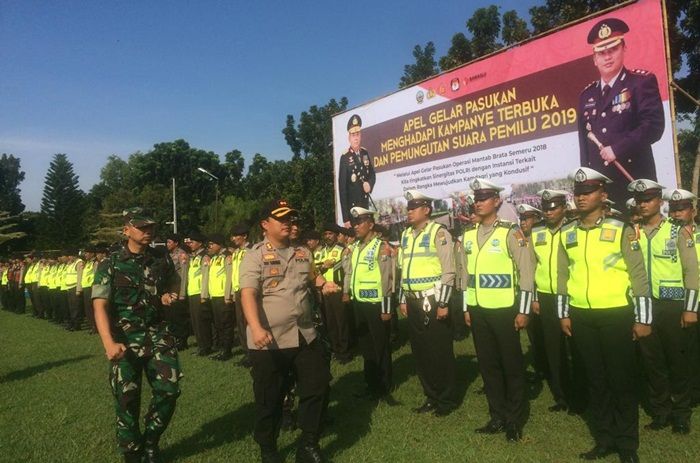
(162,371)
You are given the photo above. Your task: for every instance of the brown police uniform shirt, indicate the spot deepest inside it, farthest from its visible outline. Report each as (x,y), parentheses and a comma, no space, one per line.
(283,279)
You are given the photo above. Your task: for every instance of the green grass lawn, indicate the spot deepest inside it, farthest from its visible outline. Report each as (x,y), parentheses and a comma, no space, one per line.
(56,406)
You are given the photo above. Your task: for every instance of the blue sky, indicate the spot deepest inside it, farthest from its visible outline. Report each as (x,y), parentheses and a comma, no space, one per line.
(92,79)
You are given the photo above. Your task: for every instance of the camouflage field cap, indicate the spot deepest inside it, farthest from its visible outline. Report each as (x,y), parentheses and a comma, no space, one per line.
(137,217)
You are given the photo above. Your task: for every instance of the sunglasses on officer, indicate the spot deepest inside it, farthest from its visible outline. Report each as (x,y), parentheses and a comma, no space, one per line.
(358,220)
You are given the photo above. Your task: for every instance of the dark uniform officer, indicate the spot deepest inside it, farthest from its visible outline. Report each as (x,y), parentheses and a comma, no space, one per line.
(129,292)
(426,257)
(197,287)
(239,239)
(672,267)
(368,282)
(499,268)
(219,295)
(330,264)
(179,313)
(355,173)
(622,109)
(277,281)
(596,265)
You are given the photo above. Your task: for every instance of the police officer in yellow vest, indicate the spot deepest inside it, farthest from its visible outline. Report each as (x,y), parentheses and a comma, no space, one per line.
(239,239)
(681,207)
(219,294)
(334,310)
(672,268)
(499,274)
(197,280)
(61,274)
(86,271)
(369,285)
(545,242)
(597,263)
(75,301)
(427,265)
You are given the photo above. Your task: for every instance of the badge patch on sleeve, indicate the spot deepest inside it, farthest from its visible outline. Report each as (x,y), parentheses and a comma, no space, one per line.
(442,238)
(571,239)
(608,234)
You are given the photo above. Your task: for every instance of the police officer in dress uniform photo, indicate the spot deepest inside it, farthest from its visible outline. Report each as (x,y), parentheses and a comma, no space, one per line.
(621,110)
(355,173)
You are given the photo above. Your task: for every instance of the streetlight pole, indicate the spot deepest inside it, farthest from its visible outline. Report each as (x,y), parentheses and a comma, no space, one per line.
(216,206)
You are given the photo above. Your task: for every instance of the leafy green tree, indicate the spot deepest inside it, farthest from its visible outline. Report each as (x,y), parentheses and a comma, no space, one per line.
(62,205)
(424,66)
(460,52)
(8,232)
(10,177)
(485,26)
(514,28)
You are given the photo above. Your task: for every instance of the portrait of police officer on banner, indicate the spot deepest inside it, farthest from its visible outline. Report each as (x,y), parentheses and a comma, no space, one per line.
(355,174)
(620,114)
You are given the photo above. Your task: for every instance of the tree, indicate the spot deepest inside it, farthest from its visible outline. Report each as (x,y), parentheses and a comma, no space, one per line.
(10,178)
(514,28)
(485,26)
(62,205)
(424,67)
(460,52)
(233,167)
(8,223)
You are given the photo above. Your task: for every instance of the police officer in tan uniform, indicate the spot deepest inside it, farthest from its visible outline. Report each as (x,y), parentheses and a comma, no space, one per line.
(277,281)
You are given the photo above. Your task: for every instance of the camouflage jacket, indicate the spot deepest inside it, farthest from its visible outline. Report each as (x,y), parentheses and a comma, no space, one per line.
(133,285)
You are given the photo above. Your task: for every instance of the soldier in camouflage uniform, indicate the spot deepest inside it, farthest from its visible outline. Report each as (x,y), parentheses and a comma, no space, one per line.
(131,287)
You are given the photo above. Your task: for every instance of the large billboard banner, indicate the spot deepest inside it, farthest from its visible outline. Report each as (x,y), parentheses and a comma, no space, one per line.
(593,94)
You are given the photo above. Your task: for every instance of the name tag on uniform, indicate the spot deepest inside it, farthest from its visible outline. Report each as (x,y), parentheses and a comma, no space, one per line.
(269,256)
(608,234)
(571,239)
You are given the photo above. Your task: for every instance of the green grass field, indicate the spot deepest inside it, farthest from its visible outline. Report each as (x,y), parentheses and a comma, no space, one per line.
(55,406)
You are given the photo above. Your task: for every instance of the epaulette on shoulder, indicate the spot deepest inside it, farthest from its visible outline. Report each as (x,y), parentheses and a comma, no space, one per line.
(640,72)
(589,85)
(258,245)
(569,225)
(505,224)
(614,221)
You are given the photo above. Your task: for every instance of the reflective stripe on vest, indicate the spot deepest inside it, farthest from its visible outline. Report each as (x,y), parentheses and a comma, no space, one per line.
(545,244)
(194,276)
(60,277)
(662,262)
(70,277)
(598,277)
(421,268)
(29,274)
(88,274)
(491,270)
(217,276)
(366,281)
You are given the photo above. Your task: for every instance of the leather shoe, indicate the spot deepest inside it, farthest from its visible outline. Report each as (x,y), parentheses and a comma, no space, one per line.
(442,411)
(681,427)
(427,407)
(513,434)
(596,453)
(657,423)
(309,454)
(223,356)
(151,455)
(558,408)
(492,427)
(629,456)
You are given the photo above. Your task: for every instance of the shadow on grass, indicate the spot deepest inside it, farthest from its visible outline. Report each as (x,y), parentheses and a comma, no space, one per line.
(234,425)
(28,372)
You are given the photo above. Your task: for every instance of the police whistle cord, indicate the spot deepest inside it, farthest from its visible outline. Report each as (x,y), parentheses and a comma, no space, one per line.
(591,136)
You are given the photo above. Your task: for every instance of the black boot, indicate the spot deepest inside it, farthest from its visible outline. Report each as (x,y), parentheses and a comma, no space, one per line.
(133,457)
(309,453)
(151,454)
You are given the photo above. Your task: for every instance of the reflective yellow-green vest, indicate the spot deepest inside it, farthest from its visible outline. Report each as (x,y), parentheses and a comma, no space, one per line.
(88,276)
(41,275)
(235,268)
(5,277)
(598,277)
(662,262)
(29,274)
(47,275)
(59,276)
(491,270)
(366,280)
(217,276)
(194,275)
(545,243)
(335,254)
(420,265)
(70,276)
(696,233)
(35,272)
